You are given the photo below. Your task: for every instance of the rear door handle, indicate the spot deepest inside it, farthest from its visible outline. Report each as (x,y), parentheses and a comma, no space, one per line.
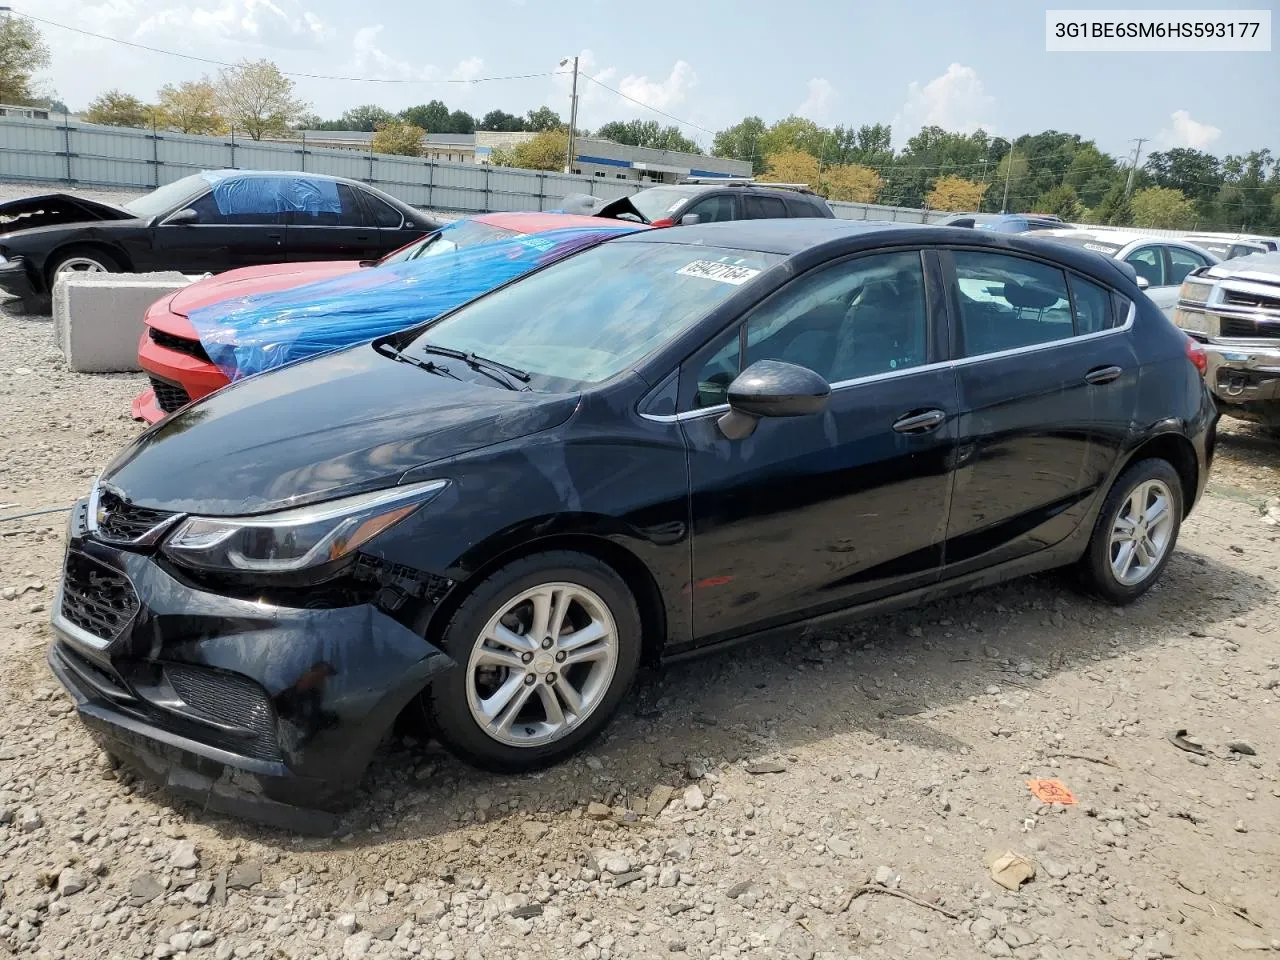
(916,423)
(1100,375)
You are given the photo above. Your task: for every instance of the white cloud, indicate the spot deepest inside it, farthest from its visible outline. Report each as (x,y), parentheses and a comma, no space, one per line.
(596,105)
(954,101)
(1186,132)
(818,104)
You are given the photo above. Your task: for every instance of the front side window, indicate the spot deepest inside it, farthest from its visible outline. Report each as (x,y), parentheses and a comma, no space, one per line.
(1008,302)
(1149,264)
(854,319)
(715,209)
(587,318)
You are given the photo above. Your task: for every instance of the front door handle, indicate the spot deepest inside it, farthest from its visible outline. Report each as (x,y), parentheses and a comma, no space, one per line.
(1100,375)
(277,237)
(923,422)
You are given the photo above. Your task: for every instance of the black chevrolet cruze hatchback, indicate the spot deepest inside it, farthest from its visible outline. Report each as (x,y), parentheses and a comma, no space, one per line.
(677,439)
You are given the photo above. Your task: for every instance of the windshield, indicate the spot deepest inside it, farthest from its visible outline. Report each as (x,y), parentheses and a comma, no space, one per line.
(660,202)
(166,198)
(591,316)
(463,233)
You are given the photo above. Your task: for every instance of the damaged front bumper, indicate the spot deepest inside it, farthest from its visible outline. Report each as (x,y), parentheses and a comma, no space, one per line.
(250,708)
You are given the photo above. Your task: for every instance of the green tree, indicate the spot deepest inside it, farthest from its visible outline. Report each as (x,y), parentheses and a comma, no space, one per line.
(432,117)
(741,142)
(461,122)
(257,99)
(793,133)
(647,133)
(1114,210)
(1163,207)
(117,109)
(546,151)
(403,139)
(366,118)
(1193,173)
(544,118)
(501,122)
(192,107)
(1061,201)
(22,53)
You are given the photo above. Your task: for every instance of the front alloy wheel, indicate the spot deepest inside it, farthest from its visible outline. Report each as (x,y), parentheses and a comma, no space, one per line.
(542,664)
(546,647)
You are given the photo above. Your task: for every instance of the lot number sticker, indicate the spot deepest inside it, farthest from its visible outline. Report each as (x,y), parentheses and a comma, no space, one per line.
(719,272)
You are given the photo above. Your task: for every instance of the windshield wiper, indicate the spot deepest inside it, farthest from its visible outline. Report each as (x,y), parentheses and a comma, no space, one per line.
(428,365)
(479,364)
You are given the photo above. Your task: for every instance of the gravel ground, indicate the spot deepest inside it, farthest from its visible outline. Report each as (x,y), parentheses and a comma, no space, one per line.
(838,797)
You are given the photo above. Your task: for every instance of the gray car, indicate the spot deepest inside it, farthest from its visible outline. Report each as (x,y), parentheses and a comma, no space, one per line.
(1234,310)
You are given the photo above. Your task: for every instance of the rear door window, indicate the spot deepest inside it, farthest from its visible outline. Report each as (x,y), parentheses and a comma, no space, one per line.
(1093,306)
(765,208)
(1008,302)
(1182,262)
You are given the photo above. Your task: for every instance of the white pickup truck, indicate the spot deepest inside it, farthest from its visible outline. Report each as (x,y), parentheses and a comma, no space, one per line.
(1233,308)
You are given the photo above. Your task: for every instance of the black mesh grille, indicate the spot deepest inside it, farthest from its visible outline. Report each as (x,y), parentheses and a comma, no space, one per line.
(229,699)
(1239,298)
(192,348)
(96,598)
(170,396)
(123,522)
(1239,327)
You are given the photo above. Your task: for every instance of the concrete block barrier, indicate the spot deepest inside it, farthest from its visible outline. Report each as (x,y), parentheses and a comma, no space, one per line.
(97,317)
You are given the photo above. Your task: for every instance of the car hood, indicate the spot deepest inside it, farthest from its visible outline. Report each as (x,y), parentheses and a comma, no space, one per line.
(251,280)
(56,210)
(1259,267)
(340,424)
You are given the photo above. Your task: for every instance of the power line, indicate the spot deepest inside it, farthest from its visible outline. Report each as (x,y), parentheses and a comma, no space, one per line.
(288,73)
(686,123)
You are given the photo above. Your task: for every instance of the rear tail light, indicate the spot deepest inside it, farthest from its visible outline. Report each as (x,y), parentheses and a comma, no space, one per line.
(1197,356)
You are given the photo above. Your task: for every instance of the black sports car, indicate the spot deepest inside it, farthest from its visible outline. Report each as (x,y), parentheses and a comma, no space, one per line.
(204,223)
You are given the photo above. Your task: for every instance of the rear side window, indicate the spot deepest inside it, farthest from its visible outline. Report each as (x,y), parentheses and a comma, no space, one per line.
(384,215)
(802,207)
(1008,302)
(1093,306)
(765,208)
(348,213)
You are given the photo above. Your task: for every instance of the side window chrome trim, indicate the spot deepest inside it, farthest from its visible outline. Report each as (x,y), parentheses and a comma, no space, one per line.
(908,371)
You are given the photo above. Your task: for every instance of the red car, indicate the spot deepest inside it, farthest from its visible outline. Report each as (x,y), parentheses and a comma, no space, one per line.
(175,361)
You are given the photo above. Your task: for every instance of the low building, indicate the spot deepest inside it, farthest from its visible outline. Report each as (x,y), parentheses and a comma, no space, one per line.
(24,112)
(593,157)
(606,159)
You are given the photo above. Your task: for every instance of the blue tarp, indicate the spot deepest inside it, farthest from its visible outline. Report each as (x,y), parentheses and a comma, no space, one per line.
(239,194)
(252,334)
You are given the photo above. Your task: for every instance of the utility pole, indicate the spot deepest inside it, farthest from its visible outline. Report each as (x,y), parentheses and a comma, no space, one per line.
(1137,154)
(1008,172)
(573,116)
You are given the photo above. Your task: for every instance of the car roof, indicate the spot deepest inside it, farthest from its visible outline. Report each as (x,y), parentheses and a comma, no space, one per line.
(301,174)
(534,222)
(792,237)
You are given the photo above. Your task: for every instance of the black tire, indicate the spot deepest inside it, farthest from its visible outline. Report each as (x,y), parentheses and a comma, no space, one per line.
(447,700)
(1096,564)
(106,261)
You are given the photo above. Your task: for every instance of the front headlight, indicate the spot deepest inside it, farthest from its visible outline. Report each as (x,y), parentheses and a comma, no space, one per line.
(298,539)
(1194,291)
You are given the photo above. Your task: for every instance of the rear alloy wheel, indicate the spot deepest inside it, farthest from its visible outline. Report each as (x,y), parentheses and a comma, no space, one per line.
(1136,531)
(546,648)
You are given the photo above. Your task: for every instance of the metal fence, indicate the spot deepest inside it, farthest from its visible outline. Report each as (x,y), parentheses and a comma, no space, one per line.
(124,158)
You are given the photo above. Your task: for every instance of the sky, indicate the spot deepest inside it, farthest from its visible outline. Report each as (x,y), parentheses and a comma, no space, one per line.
(910,63)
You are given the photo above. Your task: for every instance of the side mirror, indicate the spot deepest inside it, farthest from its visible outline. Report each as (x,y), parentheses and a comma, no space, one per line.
(690,219)
(772,388)
(1143,283)
(186,215)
